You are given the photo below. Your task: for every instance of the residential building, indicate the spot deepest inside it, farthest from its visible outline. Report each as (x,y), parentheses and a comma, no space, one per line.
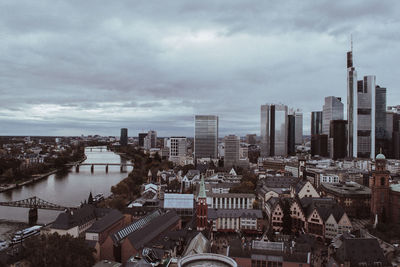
(206,136)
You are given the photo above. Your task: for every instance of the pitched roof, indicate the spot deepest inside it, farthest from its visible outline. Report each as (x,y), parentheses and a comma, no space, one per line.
(152,229)
(72,218)
(108,220)
(198,244)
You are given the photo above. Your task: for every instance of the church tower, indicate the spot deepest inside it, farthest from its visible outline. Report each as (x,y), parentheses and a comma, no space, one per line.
(380,189)
(202,207)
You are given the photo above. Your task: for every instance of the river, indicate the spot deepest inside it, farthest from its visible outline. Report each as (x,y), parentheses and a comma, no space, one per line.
(68,188)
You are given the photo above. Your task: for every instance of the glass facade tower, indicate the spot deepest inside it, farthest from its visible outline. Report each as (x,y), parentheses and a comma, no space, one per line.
(206,136)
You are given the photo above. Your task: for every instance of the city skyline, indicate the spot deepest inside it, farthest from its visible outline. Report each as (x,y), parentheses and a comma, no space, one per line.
(142,66)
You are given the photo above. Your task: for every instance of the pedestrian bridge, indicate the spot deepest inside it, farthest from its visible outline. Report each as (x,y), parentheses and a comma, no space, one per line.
(121,165)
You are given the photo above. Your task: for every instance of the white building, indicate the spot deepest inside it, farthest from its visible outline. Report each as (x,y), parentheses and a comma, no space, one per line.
(178,149)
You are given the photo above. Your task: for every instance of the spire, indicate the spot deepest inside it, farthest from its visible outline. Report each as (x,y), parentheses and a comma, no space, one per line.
(202,190)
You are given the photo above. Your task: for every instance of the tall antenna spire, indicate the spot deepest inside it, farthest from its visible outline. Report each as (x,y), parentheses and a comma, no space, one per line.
(351,42)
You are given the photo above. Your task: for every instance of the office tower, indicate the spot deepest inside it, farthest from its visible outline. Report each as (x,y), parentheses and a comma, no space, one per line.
(316,122)
(178,148)
(141,137)
(274,130)
(392,132)
(380,118)
(206,136)
(338,138)
(291,135)
(332,110)
(351,107)
(231,151)
(319,145)
(251,139)
(153,138)
(298,127)
(123,141)
(366,117)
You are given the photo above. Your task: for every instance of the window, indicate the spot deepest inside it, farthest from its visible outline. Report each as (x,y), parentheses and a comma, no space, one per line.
(383,181)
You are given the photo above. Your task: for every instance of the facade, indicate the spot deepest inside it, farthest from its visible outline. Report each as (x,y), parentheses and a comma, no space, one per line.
(351,107)
(291,135)
(123,141)
(206,136)
(353,197)
(231,157)
(332,110)
(202,208)
(338,139)
(380,191)
(380,118)
(230,201)
(234,220)
(152,135)
(141,137)
(178,149)
(316,122)
(366,117)
(274,130)
(319,145)
(298,127)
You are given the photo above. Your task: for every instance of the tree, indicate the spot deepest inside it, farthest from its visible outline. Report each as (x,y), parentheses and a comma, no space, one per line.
(287,218)
(56,250)
(90,198)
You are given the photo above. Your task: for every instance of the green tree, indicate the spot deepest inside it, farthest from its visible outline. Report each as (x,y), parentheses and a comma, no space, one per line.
(56,250)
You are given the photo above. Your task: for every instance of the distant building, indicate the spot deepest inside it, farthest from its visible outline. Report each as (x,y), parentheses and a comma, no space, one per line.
(152,135)
(291,150)
(351,107)
(231,151)
(251,139)
(123,141)
(274,130)
(338,140)
(319,145)
(141,137)
(332,110)
(380,119)
(178,149)
(316,122)
(298,127)
(234,220)
(206,136)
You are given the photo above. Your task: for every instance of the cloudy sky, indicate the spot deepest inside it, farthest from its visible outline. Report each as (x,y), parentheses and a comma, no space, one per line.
(92,67)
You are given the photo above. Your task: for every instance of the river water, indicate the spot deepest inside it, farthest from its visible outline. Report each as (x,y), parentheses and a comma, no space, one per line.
(68,188)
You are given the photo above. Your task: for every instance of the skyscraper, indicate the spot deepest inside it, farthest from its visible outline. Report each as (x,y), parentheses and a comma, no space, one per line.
(291,135)
(351,107)
(366,117)
(298,127)
(338,139)
(123,140)
(206,136)
(231,157)
(316,122)
(380,118)
(332,110)
(274,130)
(141,137)
(153,138)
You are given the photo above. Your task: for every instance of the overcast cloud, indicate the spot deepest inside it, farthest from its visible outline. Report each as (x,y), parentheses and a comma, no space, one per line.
(92,67)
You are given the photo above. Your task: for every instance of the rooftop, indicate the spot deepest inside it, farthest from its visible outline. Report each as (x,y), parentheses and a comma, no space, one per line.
(350,188)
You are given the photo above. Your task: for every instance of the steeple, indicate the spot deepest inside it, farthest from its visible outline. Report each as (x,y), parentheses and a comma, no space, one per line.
(202,190)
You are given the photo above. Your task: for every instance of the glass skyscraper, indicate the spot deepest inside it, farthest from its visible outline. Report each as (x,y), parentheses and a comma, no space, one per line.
(206,136)
(316,122)
(351,107)
(332,110)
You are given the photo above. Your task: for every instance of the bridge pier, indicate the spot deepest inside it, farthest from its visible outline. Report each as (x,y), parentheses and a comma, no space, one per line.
(92,168)
(107,168)
(33,216)
(77,168)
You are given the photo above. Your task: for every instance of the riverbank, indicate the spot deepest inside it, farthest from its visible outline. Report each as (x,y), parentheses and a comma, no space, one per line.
(36,177)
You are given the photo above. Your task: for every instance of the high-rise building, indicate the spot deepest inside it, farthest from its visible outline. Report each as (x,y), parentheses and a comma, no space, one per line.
(231,157)
(178,148)
(274,130)
(251,139)
(141,137)
(380,118)
(338,138)
(319,145)
(366,117)
(392,132)
(291,135)
(153,138)
(123,140)
(206,136)
(316,122)
(351,107)
(332,110)
(298,127)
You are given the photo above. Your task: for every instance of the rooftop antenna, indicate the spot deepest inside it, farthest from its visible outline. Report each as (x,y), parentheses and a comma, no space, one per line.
(351,42)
